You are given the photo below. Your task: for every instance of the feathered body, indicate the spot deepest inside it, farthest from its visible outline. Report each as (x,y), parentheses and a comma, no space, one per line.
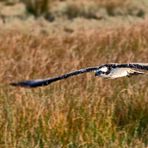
(111,71)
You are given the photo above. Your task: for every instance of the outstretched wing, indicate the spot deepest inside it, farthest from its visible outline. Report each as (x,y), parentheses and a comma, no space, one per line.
(136,66)
(43,82)
(118,70)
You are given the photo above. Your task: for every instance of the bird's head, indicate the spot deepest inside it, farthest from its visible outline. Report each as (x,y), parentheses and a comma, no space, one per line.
(103,71)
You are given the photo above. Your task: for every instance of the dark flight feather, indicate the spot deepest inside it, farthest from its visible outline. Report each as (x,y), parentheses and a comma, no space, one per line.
(110,67)
(43,82)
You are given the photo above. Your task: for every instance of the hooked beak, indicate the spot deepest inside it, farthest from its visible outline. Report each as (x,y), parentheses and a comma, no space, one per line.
(98,73)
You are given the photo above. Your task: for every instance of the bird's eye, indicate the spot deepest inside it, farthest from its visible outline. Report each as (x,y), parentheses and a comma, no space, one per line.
(97,73)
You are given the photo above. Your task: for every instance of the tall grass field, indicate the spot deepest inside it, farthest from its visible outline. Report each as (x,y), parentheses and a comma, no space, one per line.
(46,38)
(84,111)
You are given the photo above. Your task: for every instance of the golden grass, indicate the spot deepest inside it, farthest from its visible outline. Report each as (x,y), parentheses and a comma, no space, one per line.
(83,111)
(37,7)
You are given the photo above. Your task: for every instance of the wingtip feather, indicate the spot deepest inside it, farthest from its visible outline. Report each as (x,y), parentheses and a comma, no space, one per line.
(19,84)
(13,84)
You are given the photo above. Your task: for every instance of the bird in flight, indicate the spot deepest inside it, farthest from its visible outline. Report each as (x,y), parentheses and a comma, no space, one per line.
(111,71)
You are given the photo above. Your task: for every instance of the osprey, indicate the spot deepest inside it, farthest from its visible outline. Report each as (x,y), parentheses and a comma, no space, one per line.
(111,71)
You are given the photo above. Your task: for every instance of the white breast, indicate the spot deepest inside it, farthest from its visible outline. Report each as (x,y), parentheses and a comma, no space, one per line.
(118,72)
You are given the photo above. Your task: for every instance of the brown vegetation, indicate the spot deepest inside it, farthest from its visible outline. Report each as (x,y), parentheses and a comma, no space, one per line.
(83,111)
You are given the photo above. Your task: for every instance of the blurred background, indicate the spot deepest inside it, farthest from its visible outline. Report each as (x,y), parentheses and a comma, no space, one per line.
(46,38)
(68,16)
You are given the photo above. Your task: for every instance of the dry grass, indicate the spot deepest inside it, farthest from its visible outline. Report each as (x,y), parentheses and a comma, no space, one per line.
(37,7)
(83,111)
(83,8)
(100,9)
